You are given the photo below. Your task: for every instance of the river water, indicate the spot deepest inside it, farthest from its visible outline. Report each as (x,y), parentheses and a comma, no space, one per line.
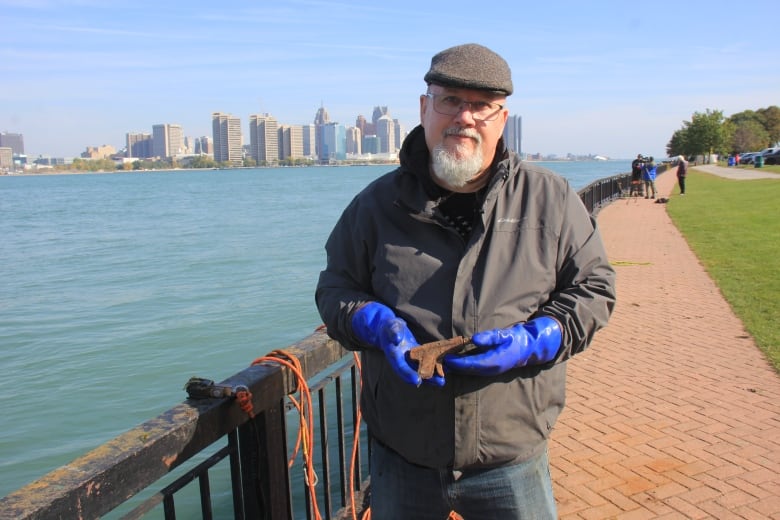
(117,288)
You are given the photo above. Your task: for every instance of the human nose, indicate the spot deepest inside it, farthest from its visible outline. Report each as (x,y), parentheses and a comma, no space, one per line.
(465,108)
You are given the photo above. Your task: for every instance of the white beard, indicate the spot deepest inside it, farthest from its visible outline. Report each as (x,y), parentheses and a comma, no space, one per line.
(457,168)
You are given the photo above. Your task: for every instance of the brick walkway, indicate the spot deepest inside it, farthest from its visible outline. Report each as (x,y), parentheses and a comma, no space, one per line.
(673,412)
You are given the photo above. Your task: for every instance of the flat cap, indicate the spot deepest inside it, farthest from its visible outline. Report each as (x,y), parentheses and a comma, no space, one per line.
(470,66)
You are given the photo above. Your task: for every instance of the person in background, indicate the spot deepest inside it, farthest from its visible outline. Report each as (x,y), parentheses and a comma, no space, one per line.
(463,238)
(636,176)
(682,172)
(648,176)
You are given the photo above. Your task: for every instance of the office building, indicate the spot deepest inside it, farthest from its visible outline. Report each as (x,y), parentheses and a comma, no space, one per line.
(333,143)
(309,140)
(227,139)
(167,140)
(6,158)
(400,134)
(321,118)
(138,145)
(513,133)
(204,145)
(13,141)
(385,131)
(264,139)
(290,142)
(370,144)
(354,141)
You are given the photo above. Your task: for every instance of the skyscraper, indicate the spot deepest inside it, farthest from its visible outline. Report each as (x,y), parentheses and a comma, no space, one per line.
(320,120)
(264,138)
(354,140)
(400,134)
(513,134)
(333,143)
(385,131)
(227,138)
(290,142)
(167,140)
(309,140)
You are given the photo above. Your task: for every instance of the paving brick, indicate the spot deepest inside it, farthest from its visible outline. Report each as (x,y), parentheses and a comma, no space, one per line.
(672,412)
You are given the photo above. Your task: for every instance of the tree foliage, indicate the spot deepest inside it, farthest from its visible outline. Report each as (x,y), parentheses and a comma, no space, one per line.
(710,132)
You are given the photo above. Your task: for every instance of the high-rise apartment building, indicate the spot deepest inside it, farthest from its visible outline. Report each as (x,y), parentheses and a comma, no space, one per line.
(138,145)
(290,142)
(167,140)
(513,133)
(264,138)
(227,138)
(13,141)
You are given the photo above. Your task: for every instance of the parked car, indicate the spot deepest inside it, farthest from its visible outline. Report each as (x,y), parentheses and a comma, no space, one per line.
(770,150)
(773,157)
(747,157)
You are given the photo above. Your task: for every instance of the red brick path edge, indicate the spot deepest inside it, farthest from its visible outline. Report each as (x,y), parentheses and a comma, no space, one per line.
(672,412)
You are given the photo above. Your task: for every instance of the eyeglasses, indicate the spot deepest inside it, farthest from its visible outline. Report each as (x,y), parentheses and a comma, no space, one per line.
(450,105)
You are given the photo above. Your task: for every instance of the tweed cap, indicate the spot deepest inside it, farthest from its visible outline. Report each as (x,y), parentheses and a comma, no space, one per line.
(470,66)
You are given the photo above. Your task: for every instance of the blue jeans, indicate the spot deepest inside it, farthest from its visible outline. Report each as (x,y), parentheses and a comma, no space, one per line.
(403,490)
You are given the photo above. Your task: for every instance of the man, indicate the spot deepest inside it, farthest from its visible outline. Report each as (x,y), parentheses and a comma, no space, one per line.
(649,170)
(464,239)
(682,172)
(636,176)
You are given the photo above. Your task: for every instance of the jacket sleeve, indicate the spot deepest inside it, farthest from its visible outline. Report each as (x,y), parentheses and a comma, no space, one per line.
(584,295)
(345,282)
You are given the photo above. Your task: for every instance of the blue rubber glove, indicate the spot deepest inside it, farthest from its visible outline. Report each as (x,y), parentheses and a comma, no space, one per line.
(377,325)
(499,350)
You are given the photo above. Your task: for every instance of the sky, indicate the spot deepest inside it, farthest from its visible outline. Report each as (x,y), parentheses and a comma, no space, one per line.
(611,78)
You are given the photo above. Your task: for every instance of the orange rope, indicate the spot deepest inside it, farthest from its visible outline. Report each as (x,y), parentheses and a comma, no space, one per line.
(305,439)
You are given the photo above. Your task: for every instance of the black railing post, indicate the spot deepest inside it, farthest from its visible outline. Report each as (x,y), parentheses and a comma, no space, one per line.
(263,466)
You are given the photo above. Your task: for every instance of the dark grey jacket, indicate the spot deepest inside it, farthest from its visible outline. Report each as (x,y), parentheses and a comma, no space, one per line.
(536,251)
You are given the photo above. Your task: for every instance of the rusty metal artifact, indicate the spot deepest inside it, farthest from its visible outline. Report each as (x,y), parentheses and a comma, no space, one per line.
(429,355)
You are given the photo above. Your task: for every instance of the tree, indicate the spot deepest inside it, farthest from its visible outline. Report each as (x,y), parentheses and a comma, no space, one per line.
(749,135)
(676,145)
(705,134)
(770,117)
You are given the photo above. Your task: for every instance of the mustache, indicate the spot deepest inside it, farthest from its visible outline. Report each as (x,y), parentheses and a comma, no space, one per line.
(463,132)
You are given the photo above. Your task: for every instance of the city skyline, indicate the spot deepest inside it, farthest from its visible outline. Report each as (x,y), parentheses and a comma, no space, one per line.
(612,79)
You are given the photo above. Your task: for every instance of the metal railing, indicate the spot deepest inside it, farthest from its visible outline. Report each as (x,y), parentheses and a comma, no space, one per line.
(262,486)
(181,446)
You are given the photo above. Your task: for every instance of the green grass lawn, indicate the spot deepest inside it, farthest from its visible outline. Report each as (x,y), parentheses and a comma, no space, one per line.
(734,229)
